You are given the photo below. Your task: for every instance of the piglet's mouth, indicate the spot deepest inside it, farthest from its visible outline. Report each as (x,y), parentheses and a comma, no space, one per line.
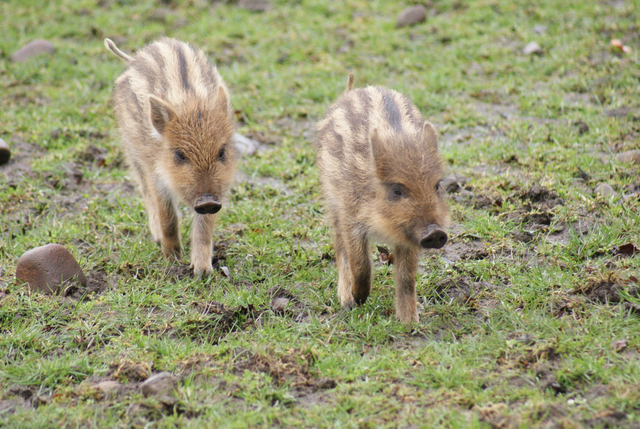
(207,204)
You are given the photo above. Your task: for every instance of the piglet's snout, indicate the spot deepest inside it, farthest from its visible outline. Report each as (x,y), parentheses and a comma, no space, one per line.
(433,237)
(207,204)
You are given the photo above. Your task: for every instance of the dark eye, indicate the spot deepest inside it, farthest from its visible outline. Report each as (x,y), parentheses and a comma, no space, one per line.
(396,191)
(222,155)
(439,186)
(179,156)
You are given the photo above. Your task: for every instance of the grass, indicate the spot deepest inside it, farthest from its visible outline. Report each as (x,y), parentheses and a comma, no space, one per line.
(529,315)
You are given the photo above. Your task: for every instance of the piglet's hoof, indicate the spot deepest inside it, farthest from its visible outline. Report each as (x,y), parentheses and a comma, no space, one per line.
(46,268)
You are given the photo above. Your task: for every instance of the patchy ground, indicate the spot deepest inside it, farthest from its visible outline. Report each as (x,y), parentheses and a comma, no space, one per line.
(529,316)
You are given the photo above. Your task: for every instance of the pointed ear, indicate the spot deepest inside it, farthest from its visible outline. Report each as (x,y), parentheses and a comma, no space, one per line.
(161,113)
(429,135)
(376,146)
(379,152)
(222,100)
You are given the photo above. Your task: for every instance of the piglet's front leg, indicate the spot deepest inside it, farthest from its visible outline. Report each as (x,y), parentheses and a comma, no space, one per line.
(201,243)
(406,264)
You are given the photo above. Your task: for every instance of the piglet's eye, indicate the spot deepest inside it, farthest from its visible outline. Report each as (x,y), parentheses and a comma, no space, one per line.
(396,191)
(179,156)
(222,155)
(439,186)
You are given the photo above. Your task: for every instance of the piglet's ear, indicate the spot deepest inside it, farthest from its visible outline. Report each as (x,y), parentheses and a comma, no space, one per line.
(429,135)
(222,100)
(161,113)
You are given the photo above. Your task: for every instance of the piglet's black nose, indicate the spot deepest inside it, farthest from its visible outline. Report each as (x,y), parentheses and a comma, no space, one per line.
(206,204)
(434,237)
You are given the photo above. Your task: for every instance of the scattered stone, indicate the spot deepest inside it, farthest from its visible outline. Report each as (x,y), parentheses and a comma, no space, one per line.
(245,145)
(160,14)
(108,387)
(5,152)
(539,29)
(605,190)
(255,5)
(32,49)
(46,269)
(532,48)
(162,384)
(411,16)
(629,156)
(279,304)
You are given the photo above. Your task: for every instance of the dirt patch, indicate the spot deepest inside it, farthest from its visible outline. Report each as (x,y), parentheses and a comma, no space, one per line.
(97,283)
(612,290)
(292,369)
(216,320)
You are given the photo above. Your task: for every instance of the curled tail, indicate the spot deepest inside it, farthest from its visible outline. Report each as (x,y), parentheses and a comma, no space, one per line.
(349,81)
(113,48)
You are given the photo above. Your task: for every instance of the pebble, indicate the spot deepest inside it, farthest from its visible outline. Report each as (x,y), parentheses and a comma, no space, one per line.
(605,190)
(46,268)
(162,384)
(411,16)
(532,48)
(279,304)
(109,387)
(32,49)
(245,145)
(5,152)
(255,5)
(629,156)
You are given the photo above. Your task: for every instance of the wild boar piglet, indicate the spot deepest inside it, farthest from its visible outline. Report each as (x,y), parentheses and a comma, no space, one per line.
(177,125)
(380,171)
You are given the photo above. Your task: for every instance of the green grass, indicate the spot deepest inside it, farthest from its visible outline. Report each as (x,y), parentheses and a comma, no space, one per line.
(520,311)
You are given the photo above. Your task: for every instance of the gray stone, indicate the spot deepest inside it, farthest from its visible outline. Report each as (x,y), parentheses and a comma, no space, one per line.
(46,269)
(162,384)
(532,48)
(279,304)
(629,156)
(255,5)
(245,145)
(108,387)
(32,49)
(411,16)
(605,190)
(5,152)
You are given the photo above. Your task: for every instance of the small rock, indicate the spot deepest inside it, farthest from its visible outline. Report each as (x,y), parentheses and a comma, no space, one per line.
(5,152)
(605,190)
(46,268)
(160,14)
(532,48)
(34,48)
(411,16)
(255,5)
(108,387)
(162,384)
(539,29)
(279,304)
(619,345)
(245,145)
(629,156)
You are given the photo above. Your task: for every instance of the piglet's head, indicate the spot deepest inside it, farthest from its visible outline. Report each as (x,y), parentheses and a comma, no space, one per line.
(197,153)
(410,207)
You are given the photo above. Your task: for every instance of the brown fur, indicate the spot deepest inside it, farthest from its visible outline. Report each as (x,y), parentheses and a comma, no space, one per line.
(176,123)
(380,171)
